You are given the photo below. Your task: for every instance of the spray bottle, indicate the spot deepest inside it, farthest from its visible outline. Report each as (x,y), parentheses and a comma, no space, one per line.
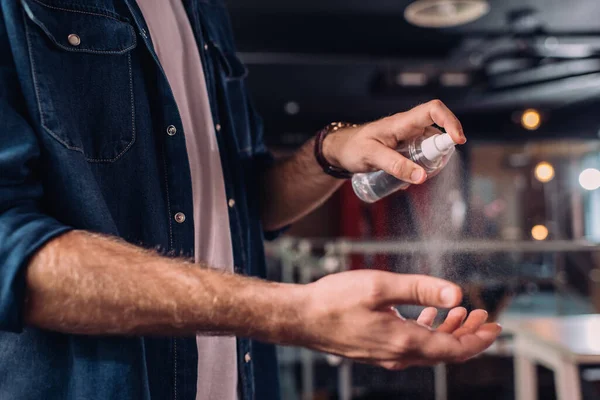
(432,153)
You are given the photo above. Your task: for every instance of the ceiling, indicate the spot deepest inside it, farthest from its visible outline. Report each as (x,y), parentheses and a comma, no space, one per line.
(312,62)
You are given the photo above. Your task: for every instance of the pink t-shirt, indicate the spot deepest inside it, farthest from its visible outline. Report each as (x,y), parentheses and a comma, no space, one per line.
(178,53)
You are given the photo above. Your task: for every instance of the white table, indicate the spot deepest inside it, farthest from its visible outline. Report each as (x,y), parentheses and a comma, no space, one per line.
(559,343)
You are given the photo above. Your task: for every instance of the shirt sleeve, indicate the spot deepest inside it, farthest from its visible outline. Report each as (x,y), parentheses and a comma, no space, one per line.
(24,227)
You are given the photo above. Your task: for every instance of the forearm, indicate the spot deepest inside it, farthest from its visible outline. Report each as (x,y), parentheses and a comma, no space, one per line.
(294,187)
(86,284)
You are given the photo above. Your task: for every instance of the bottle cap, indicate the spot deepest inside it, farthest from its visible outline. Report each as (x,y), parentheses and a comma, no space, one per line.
(437,146)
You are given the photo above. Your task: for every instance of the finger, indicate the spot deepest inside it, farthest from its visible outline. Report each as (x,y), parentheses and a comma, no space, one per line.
(434,112)
(395,311)
(475,343)
(473,322)
(427,317)
(393,289)
(392,162)
(420,362)
(430,131)
(453,321)
(442,347)
(490,330)
(392,365)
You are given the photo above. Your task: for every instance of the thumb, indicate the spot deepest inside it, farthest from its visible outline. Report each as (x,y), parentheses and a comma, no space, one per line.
(423,290)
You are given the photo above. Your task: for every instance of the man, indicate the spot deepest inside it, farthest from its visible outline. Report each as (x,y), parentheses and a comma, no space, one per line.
(131,120)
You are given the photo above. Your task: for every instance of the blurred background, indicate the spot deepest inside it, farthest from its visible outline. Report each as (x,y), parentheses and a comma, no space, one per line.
(514,218)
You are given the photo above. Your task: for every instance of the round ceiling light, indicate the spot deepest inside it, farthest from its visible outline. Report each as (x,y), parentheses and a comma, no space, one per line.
(445,13)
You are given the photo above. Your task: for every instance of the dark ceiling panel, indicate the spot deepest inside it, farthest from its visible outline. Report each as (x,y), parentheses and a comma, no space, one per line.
(341,59)
(342,34)
(561,16)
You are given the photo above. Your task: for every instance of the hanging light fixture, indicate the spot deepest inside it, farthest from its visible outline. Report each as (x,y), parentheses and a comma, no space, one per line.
(445,13)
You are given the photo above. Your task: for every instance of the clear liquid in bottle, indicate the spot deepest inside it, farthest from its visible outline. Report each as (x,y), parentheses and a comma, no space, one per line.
(431,153)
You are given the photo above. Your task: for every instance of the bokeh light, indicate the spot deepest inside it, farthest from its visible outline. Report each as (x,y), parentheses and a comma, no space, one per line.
(539,232)
(531,119)
(544,172)
(589,179)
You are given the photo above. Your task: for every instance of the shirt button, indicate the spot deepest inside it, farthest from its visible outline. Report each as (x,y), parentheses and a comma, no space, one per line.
(218,127)
(247,357)
(205,47)
(179,217)
(171,130)
(231,203)
(74,40)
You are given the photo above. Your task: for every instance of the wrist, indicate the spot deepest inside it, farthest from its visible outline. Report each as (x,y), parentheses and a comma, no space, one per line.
(330,144)
(326,149)
(291,320)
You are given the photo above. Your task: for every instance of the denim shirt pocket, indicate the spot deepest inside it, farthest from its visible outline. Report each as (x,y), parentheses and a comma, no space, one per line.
(81,68)
(232,74)
(229,73)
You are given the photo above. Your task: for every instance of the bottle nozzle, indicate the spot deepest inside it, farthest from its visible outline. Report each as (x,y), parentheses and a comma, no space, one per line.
(437,146)
(444,142)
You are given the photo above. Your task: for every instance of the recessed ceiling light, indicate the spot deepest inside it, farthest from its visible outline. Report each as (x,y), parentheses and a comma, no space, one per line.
(455,79)
(445,13)
(411,79)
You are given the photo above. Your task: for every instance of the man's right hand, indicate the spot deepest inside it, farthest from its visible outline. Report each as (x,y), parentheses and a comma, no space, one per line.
(89,292)
(350,314)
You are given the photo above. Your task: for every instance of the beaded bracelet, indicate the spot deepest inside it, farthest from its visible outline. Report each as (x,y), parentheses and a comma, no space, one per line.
(327,167)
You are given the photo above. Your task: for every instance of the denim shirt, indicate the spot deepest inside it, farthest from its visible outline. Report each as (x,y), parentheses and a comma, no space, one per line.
(91,138)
